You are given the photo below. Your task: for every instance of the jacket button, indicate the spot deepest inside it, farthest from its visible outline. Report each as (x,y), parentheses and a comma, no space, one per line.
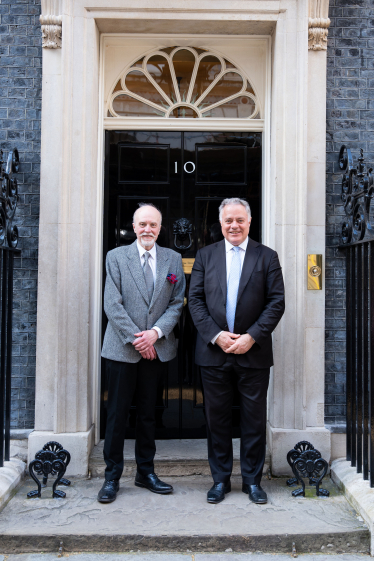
(150,311)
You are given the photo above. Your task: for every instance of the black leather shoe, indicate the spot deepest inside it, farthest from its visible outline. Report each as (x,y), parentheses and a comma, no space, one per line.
(256,493)
(153,483)
(108,491)
(217,493)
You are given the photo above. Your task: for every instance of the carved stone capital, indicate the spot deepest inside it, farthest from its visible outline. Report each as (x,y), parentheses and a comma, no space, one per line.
(317,34)
(318,24)
(51,22)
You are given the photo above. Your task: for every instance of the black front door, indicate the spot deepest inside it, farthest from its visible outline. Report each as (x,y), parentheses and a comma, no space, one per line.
(186,175)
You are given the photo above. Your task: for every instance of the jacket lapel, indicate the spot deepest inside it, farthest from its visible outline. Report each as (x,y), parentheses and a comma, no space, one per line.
(220,264)
(162,269)
(137,271)
(250,260)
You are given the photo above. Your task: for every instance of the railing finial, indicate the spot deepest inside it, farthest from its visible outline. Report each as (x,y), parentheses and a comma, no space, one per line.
(8,197)
(357,196)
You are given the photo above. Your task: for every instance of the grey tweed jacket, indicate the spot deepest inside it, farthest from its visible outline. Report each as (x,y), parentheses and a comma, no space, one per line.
(127,306)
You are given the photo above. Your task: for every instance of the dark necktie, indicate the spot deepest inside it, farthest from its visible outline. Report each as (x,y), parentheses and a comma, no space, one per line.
(148,275)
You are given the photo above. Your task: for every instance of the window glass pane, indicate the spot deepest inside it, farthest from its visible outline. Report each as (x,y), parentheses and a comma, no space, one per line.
(183,112)
(155,84)
(184,62)
(240,107)
(200,51)
(250,89)
(139,62)
(168,50)
(158,67)
(208,70)
(126,106)
(230,84)
(118,87)
(139,84)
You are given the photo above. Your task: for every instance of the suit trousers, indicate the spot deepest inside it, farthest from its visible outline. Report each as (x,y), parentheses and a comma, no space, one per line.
(124,379)
(252,383)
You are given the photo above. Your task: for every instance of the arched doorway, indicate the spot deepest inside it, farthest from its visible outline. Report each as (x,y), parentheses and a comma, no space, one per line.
(186,174)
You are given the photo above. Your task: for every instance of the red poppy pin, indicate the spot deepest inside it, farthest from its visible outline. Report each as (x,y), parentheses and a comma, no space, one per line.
(172,278)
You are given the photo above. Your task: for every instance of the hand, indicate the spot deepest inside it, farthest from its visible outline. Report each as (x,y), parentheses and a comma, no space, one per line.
(226,339)
(149,355)
(242,344)
(145,340)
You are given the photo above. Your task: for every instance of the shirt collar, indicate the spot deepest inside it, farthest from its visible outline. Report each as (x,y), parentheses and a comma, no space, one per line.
(142,251)
(243,245)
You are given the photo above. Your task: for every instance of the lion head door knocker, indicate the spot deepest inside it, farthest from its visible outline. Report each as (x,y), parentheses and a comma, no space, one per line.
(182,230)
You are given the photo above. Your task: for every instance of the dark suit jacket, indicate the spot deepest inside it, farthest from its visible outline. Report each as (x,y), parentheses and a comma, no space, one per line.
(260,303)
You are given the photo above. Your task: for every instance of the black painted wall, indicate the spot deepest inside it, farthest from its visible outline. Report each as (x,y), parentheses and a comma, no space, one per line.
(350,121)
(20,110)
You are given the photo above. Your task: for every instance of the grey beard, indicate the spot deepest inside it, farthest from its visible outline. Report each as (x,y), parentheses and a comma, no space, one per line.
(148,243)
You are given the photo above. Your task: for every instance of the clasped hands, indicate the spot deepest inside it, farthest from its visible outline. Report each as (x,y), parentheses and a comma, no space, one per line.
(144,343)
(233,343)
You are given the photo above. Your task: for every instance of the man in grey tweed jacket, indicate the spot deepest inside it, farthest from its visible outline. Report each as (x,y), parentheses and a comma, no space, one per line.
(143,304)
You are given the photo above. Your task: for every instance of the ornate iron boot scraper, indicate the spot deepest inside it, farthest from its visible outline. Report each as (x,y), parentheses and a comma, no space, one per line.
(52,460)
(306,462)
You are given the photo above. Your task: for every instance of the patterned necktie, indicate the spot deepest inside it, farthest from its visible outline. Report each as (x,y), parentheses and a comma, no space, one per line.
(148,275)
(232,288)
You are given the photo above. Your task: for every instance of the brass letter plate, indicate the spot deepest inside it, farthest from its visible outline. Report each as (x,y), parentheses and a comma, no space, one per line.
(314,272)
(187,265)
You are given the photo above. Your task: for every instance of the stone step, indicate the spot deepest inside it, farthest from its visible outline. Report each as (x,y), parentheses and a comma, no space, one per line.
(180,522)
(176,458)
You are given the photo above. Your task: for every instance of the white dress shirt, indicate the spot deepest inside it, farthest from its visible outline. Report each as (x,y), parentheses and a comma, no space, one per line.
(229,255)
(152,260)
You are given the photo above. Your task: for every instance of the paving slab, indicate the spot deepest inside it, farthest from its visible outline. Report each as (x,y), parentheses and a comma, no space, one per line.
(182,521)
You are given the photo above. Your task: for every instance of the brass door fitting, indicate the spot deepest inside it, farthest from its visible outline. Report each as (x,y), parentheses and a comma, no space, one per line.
(314,272)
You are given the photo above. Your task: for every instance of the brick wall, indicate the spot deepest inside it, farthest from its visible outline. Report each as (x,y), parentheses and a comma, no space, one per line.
(20,105)
(350,120)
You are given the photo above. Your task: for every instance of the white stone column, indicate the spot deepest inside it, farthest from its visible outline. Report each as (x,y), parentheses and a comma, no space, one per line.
(64,373)
(296,397)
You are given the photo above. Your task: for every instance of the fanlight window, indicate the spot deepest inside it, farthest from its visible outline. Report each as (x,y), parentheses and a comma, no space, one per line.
(183,82)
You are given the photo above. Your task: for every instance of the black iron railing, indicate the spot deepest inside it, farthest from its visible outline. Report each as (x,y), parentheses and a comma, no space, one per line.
(358,243)
(6,305)
(9,233)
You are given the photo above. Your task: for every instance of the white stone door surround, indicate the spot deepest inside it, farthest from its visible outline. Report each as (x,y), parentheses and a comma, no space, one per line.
(70,257)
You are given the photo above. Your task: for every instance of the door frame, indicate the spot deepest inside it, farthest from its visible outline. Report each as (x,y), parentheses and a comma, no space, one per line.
(183,125)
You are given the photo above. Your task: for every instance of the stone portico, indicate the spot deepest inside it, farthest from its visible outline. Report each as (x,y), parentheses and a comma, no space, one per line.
(76,77)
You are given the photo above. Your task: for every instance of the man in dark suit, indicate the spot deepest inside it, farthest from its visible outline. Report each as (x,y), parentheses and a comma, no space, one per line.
(236,299)
(143,299)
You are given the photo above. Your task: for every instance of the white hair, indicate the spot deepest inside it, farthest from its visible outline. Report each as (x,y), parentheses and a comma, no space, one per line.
(141,205)
(234,201)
